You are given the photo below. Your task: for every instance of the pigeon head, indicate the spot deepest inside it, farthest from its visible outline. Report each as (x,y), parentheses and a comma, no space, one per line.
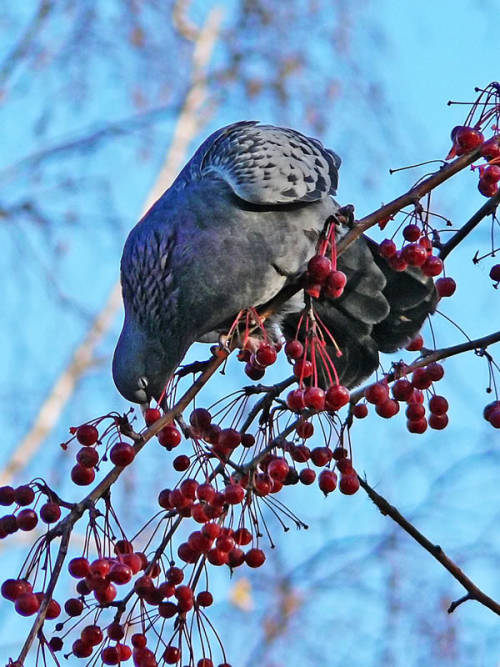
(141,366)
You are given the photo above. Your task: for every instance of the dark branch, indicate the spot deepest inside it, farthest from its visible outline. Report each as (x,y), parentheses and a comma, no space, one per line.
(473,592)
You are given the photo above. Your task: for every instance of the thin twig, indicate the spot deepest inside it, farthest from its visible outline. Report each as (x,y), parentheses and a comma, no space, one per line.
(474,593)
(488,208)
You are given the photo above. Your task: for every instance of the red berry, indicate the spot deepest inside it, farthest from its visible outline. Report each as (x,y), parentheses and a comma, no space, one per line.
(491,173)
(336,280)
(307,476)
(397,262)
(56,643)
(349,484)
(432,266)
(377,393)
(151,415)
(81,649)
(167,609)
(387,248)
(415,411)
(171,655)
(247,440)
(278,469)
(120,574)
(100,567)
(82,476)
(314,398)
(8,524)
(302,368)
(387,409)
(345,465)
(411,233)
(402,389)
(139,640)
(438,405)
(50,512)
(200,418)
(415,344)
(87,435)
(235,557)
(204,599)
(205,662)
(91,634)
(186,553)
(495,273)
(27,519)
(255,557)
(79,567)
(468,138)
(24,495)
(105,595)
(421,378)
(110,655)
(295,400)
(27,604)
(360,410)
(6,495)
(445,286)
(491,149)
(181,463)
(304,429)
(266,355)
(13,588)
(242,536)
(487,188)
(122,454)
(321,456)
(438,422)
(73,607)
(435,371)
(169,437)
(254,372)
(494,418)
(53,609)
(417,426)
(490,408)
(88,457)
(115,631)
(229,438)
(414,254)
(318,268)
(234,494)
(327,481)
(294,349)
(336,396)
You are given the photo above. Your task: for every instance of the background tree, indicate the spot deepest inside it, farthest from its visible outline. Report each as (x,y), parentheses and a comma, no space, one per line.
(123,73)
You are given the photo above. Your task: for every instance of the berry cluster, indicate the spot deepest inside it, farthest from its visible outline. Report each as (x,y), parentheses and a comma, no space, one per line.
(409,391)
(417,253)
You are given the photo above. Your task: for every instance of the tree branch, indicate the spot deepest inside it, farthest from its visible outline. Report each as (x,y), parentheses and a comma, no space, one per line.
(488,208)
(473,592)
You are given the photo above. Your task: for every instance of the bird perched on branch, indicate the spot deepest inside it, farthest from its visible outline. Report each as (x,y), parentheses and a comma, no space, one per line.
(235,229)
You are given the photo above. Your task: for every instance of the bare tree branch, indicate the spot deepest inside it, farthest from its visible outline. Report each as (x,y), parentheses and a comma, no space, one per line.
(22,47)
(474,593)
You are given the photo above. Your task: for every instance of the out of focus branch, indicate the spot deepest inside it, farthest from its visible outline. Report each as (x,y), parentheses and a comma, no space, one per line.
(188,125)
(473,592)
(23,45)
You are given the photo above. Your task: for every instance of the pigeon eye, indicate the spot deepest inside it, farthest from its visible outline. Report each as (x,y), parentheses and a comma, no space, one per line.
(142,382)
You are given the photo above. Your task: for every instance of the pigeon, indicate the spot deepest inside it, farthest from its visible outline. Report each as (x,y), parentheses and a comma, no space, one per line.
(235,229)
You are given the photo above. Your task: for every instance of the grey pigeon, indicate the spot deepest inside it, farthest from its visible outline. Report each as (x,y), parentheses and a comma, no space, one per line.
(237,225)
